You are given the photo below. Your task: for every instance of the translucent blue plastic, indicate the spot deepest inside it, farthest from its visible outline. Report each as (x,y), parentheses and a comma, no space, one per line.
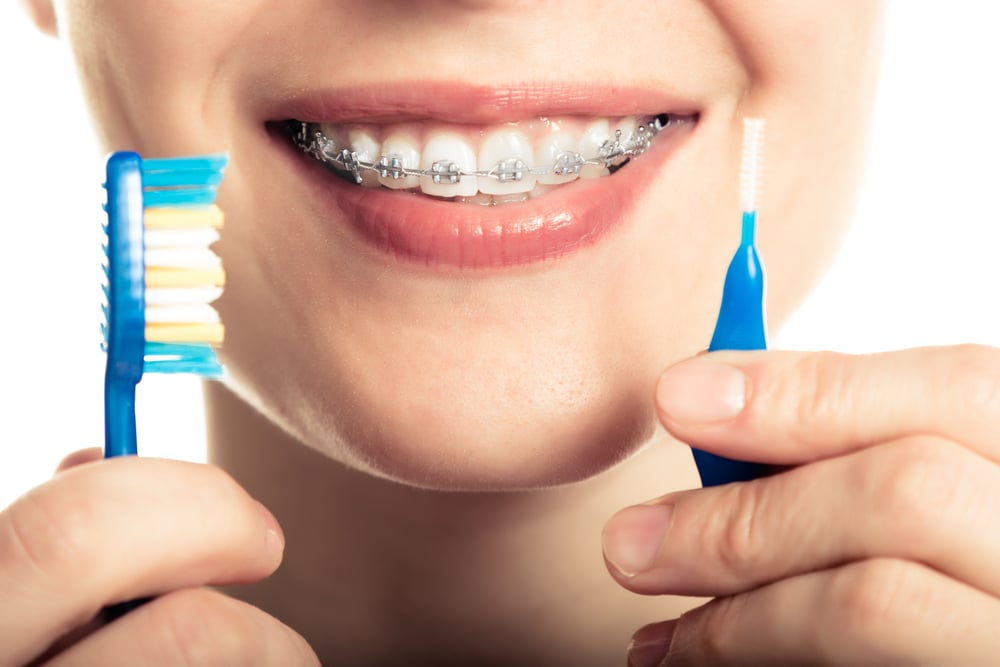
(133,185)
(741,326)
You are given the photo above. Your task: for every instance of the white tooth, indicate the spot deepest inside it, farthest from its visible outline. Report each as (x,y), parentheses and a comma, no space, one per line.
(552,147)
(510,150)
(445,148)
(590,144)
(479,200)
(368,149)
(335,133)
(404,147)
(541,190)
(627,126)
(512,198)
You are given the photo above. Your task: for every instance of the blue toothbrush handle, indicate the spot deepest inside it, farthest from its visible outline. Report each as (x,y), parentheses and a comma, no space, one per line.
(125,309)
(119,440)
(119,419)
(125,326)
(741,326)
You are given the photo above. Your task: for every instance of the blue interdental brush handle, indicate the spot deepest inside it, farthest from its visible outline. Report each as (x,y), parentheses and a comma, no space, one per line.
(741,326)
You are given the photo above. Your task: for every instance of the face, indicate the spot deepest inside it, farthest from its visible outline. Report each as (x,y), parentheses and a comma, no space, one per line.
(505,330)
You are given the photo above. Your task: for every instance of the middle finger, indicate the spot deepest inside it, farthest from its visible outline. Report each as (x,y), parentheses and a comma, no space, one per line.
(924,499)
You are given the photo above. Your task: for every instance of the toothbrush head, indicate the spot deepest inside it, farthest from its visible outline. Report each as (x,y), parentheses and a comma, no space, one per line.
(161,273)
(162,277)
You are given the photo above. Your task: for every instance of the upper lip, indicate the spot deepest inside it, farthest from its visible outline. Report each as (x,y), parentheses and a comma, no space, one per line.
(471,103)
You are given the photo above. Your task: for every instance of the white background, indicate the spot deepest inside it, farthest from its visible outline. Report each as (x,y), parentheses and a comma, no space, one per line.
(920,266)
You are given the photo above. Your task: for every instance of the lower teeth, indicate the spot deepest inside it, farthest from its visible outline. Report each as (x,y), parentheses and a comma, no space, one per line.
(483,199)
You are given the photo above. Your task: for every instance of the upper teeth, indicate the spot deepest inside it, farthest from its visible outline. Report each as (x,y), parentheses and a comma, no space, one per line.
(507,162)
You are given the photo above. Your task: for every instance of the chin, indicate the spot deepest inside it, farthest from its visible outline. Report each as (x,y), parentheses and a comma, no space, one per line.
(468,450)
(445,424)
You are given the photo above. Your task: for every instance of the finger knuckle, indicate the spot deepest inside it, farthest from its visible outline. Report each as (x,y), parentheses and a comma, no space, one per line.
(715,629)
(196,634)
(48,533)
(200,627)
(871,600)
(976,370)
(920,483)
(812,388)
(737,540)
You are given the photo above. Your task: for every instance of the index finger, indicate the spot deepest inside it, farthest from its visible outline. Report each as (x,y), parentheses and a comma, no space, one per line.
(118,530)
(795,407)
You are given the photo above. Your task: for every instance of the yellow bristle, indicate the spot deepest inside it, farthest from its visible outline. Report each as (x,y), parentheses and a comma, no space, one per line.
(171,277)
(185,333)
(164,218)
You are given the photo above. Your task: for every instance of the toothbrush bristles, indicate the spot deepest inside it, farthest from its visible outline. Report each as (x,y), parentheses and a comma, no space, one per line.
(750,164)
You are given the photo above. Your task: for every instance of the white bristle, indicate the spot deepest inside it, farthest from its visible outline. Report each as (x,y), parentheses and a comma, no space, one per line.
(171,296)
(180,238)
(197,312)
(750,163)
(187,258)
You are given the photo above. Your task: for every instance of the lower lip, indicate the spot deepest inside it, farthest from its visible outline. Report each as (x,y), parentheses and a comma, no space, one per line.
(454,235)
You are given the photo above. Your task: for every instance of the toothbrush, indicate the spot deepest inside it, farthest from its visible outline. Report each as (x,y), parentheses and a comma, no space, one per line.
(741,322)
(161,278)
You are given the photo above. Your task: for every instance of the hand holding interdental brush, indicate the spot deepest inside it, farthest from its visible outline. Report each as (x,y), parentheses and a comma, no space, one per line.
(71,546)
(878,546)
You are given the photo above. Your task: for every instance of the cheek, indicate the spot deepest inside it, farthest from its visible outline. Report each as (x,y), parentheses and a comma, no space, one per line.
(154,72)
(794,41)
(812,68)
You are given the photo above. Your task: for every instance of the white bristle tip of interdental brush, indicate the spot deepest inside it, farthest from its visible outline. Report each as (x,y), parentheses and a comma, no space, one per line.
(750,163)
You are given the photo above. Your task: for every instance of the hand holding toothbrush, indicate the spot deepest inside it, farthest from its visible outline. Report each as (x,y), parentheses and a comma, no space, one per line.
(99,533)
(880,542)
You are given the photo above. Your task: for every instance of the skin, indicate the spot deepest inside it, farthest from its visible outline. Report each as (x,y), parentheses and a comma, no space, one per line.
(446,502)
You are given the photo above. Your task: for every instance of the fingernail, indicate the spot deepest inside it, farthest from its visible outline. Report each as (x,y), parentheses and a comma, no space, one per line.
(632,538)
(651,644)
(275,536)
(699,391)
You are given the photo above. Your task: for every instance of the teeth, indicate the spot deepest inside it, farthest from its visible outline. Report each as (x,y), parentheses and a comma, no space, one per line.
(482,166)
(512,198)
(479,200)
(367,149)
(508,155)
(627,128)
(593,140)
(495,200)
(446,155)
(400,150)
(560,149)
(541,190)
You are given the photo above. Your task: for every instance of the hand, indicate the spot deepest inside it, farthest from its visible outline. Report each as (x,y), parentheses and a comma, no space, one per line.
(880,546)
(102,532)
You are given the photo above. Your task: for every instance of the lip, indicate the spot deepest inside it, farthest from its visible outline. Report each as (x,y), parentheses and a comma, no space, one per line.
(453,235)
(458,103)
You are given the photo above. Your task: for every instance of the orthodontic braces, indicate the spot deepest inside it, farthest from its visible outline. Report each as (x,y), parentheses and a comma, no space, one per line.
(612,153)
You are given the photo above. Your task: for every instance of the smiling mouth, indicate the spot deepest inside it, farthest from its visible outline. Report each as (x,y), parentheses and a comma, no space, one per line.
(436,175)
(481,165)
